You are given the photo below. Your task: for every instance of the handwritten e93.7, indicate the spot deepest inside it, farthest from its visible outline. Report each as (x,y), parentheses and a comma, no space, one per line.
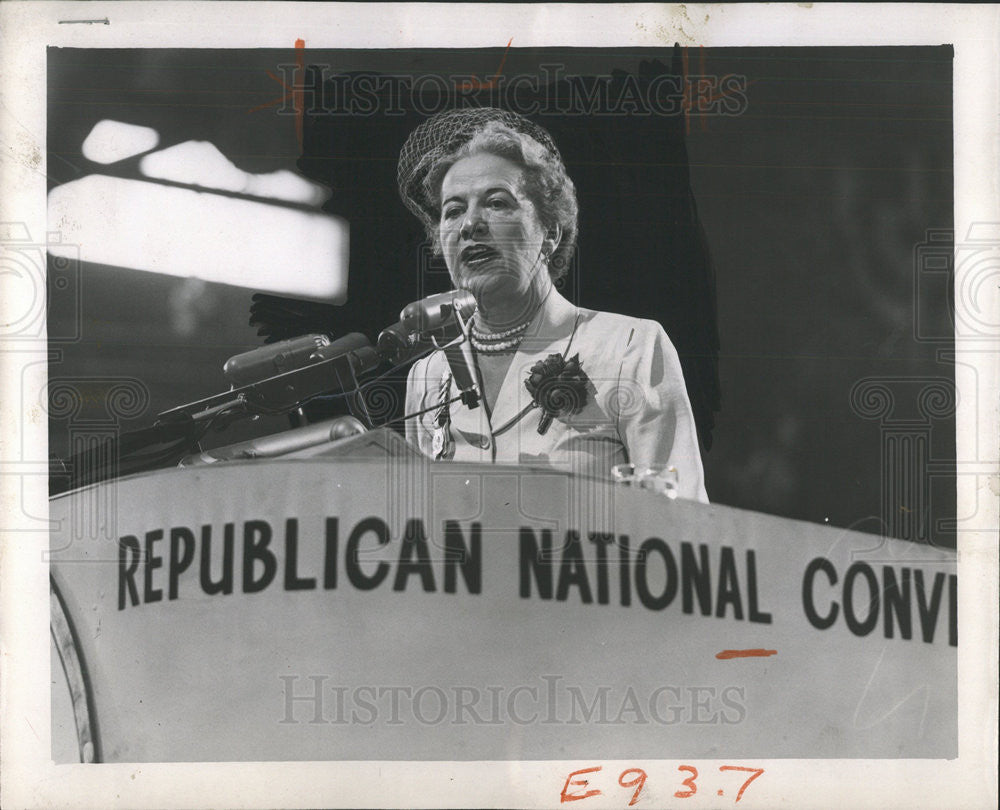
(579,785)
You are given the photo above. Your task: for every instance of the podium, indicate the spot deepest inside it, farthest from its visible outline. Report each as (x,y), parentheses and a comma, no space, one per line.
(374,605)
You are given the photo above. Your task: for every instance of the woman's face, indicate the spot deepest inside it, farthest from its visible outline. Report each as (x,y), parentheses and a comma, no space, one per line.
(490,234)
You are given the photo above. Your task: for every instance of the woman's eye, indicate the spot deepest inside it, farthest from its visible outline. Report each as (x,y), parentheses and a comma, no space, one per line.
(498,204)
(450,213)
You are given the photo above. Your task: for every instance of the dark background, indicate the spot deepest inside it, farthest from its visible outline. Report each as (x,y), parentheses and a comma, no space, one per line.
(821,204)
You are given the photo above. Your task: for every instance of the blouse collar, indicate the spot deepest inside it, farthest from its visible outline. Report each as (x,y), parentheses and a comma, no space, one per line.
(550,331)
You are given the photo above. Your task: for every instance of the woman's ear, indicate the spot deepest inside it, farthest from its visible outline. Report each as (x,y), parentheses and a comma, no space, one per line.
(553,236)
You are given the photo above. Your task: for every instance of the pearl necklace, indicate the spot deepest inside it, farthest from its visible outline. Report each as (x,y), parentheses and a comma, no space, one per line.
(497,342)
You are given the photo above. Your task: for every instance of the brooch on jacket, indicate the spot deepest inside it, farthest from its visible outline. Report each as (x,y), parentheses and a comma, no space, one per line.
(558,386)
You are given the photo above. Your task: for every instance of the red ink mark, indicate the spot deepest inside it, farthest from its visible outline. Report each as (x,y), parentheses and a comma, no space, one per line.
(639,780)
(477,84)
(755,771)
(297,90)
(705,92)
(758,653)
(572,797)
(299,93)
(688,783)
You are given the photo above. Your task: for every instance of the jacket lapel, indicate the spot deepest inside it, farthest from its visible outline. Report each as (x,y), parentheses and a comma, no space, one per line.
(549,332)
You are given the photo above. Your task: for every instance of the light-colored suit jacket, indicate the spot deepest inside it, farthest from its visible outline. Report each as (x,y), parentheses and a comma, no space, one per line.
(637,409)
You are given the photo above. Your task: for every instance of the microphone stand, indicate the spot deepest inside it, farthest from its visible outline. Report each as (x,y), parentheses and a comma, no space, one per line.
(461,363)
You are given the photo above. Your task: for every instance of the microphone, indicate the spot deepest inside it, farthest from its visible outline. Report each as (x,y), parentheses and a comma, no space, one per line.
(283,375)
(436,311)
(331,369)
(397,343)
(289,355)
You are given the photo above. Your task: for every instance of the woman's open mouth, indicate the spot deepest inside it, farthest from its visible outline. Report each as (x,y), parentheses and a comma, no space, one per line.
(475,256)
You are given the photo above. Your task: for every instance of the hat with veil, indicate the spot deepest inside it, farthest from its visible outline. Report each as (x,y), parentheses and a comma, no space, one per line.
(445,133)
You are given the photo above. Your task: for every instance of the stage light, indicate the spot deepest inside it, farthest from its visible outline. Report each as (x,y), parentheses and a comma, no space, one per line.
(200,163)
(198,234)
(111,141)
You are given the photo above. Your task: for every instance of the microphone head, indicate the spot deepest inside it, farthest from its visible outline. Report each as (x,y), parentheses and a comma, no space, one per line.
(275,358)
(435,311)
(289,355)
(351,342)
(364,359)
(394,342)
(464,303)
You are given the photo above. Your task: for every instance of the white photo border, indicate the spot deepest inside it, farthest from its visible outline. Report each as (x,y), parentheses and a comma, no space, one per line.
(29,779)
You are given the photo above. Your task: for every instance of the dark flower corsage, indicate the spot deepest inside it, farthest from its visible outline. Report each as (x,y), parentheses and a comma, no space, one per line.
(557,386)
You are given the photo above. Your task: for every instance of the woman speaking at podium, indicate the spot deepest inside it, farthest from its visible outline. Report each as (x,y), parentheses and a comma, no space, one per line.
(560,386)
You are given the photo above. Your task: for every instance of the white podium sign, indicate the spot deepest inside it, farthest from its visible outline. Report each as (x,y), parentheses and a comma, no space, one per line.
(336,609)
